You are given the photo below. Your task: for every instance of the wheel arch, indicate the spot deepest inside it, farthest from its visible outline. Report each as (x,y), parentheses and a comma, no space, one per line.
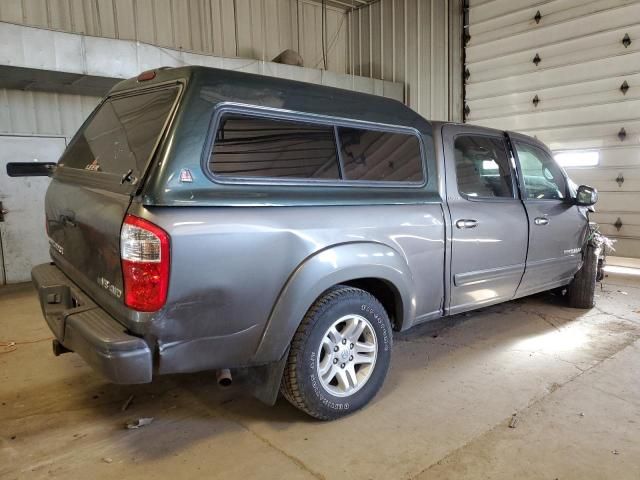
(386,293)
(374,267)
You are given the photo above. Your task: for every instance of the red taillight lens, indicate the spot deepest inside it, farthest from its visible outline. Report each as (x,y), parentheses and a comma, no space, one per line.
(145,254)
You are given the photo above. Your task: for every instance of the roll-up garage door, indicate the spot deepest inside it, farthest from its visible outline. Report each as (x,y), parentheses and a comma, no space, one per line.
(567,72)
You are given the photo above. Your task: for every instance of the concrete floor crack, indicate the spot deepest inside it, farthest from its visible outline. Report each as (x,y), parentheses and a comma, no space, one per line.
(614,315)
(299,463)
(625,400)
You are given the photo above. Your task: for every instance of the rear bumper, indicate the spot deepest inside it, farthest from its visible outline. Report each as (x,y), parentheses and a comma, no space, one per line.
(85,328)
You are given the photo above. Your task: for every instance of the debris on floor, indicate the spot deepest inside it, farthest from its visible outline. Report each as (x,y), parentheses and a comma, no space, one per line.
(12,346)
(7,347)
(615,452)
(139,422)
(126,404)
(107,460)
(514,421)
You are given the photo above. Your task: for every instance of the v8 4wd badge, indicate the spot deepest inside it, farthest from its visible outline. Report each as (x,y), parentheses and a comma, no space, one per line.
(109,287)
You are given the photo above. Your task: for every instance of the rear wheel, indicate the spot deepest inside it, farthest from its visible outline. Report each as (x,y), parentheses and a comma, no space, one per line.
(339,355)
(581,291)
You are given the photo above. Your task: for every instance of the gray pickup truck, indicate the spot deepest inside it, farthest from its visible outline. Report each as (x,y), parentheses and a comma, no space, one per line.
(204,219)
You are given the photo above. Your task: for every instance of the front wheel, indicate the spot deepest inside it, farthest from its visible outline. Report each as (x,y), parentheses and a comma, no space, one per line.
(339,355)
(582,290)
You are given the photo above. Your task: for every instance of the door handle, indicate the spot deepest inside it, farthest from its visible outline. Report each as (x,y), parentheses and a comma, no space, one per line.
(466,223)
(541,221)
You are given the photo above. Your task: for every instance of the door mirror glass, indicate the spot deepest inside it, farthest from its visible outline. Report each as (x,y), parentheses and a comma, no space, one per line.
(586,196)
(30,169)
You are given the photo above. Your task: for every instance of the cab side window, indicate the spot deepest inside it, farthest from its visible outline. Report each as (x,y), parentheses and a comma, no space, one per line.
(482,167)
(543,178)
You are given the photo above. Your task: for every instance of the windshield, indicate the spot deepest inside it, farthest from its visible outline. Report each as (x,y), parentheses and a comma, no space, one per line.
(121,135)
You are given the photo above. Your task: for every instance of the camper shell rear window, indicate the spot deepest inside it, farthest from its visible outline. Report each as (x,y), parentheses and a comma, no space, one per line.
(122,133)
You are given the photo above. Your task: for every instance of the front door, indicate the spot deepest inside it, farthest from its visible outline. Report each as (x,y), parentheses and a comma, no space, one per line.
(489,224)
(23,240)
(557,227)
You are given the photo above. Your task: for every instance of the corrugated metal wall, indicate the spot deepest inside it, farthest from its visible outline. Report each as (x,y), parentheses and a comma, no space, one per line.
(416,42)
(557,70)
(43,113)
(258,29)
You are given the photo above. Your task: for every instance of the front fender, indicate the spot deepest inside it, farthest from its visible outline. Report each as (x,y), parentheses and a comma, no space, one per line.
(321,271)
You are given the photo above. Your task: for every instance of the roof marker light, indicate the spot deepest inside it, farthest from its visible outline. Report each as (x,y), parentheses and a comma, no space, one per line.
(148,75)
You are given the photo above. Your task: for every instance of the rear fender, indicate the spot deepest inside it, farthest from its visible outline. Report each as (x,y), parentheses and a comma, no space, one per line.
(321,271)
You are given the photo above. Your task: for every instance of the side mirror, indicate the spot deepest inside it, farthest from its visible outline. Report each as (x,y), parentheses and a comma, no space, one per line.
(30,169)
(586,196)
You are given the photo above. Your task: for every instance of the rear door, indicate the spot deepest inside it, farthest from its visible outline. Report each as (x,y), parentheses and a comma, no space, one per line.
(557,227)
(489,223)
(92,187)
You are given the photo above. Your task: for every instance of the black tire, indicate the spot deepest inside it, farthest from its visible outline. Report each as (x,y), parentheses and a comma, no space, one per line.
(301,383)
(581,291)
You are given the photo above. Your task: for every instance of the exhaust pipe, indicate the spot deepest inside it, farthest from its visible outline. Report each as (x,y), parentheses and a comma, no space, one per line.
(223,376)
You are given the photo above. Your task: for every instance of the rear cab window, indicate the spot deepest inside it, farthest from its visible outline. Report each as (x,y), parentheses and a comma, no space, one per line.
(258,147)
(380,156)
(119,138)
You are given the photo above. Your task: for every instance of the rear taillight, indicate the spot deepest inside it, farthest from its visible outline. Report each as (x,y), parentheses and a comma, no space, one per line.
(144,250)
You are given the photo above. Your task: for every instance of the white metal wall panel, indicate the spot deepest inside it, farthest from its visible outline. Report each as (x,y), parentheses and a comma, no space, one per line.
(56,51)
(43,113)
(416,42)
(57,114)
(46,113)
(583,63)
(257,29)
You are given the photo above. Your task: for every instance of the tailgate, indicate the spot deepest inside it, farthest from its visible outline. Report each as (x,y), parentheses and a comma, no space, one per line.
(89,196)
(84,233)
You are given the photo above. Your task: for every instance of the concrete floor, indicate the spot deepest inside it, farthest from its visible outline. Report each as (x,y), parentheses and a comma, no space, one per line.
(571,377)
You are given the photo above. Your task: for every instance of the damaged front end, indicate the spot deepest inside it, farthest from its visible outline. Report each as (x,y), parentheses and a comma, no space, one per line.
(602,244)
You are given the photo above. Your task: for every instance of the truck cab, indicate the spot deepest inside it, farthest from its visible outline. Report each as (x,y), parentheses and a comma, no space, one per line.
(509,199)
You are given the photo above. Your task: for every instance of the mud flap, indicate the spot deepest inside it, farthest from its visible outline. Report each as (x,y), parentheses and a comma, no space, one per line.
(264,381)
